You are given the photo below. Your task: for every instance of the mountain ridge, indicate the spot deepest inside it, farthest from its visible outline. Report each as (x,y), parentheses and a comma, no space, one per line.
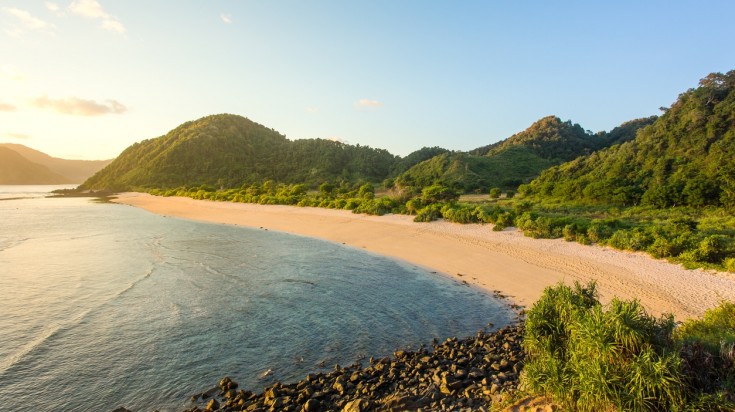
(73,171)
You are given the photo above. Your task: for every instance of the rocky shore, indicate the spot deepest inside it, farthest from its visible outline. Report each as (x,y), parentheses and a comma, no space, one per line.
(457,374)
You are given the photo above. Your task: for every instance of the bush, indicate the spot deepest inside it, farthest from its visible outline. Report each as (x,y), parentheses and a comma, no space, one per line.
(592,358)
(504,220)
(634,239)
(713,248)
(729,264)
(600,231)
(459,213)
(707,348)
(428,213)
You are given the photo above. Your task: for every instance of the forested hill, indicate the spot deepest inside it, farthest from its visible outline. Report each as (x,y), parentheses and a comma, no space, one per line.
(228,150)
(686,157)
(517,159)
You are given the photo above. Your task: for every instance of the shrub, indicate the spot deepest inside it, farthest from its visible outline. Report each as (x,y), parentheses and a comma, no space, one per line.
(600,231)
(428,213)
(459,213)
(588,357)
(504,220)
(729,264)
(438,193)
(713,248)
(634,239)
(707,348)
(414,205)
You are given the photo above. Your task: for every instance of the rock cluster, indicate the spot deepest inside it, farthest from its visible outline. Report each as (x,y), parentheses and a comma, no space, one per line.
(457,374)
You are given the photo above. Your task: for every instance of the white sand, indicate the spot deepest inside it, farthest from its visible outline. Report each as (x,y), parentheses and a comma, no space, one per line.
(506,261)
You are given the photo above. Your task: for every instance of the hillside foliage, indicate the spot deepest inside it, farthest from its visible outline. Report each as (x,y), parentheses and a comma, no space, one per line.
(515,160)
(684,158)
(228,151)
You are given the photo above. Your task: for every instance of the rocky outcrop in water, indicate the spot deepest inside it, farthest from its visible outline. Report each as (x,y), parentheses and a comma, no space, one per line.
(466,374)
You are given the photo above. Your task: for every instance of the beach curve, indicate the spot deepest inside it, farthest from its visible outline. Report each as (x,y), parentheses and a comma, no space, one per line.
(505,261)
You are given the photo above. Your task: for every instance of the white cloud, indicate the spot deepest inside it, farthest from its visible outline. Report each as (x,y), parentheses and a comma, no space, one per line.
(5,107)
(26,18)
(368,103)
(17,135)
(80,107)
(91,9)
(51,6)
(88,8)
(226,18)
(312,109)
(113,25)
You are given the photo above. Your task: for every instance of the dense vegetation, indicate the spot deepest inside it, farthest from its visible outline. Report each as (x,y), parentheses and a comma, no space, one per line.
(685,158)
(590,357)
(515,160)
(549,138)
(227,151)
(666,186)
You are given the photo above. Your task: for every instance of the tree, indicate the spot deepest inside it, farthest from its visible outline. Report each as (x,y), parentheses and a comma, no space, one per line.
(495,193)
(326,189)
(366,191)
(438,193)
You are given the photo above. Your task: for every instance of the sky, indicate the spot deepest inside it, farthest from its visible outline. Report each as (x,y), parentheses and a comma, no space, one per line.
(84,79)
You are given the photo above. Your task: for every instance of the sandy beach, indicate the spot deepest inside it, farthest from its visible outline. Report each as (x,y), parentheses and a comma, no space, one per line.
(506,261)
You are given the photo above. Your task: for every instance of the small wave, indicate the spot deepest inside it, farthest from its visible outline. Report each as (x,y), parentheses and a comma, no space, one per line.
(305,282)
(52,331)
(16,357)
(132,285)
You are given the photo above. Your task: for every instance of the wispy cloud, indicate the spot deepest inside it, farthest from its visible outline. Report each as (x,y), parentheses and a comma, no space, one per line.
(91,9)
(368,103)
(312,109)
(5,107)
(20,136)
(226,18)
(51,6)
(80,107)
(26,19)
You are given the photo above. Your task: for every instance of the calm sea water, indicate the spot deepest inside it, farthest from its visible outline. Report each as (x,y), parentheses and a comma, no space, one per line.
(106,305)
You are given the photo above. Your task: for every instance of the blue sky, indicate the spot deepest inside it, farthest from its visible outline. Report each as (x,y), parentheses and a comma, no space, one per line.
(84,79)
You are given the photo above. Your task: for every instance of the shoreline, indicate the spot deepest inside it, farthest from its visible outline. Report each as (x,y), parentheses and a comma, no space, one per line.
(502,263)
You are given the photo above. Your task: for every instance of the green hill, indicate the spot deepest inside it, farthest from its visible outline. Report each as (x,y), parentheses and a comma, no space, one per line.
(227,150)
(515,160)
(685,157)
(17,170)
(416,157)
(549,138)
(76,171)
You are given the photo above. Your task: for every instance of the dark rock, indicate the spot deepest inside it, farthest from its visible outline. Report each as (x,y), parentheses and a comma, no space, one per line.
(212,405)
(457,374)
(358,405)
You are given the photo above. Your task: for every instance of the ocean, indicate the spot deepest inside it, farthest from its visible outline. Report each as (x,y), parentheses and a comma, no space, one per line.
(105,305)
